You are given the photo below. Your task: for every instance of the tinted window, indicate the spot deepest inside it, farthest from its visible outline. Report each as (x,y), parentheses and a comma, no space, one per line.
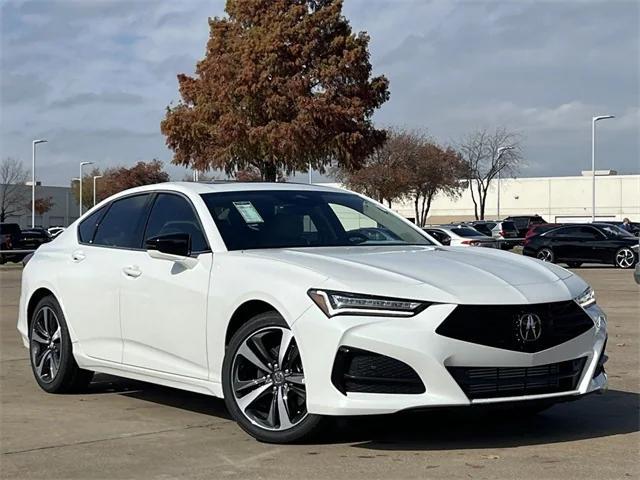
(466,232)
(440,236)
(174,214)
(508,227)
(521,222)
(484,228)
(123,224)
(302,218)
(614,231)
(585,233)
(88,226)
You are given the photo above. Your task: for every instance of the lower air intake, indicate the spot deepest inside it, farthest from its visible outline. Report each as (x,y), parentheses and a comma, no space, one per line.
(356,370)
(495,382)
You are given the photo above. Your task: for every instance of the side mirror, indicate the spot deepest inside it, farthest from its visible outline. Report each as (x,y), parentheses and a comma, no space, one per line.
(174,247)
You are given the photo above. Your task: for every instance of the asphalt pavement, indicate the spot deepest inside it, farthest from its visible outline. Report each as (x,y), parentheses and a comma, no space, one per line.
(123,429)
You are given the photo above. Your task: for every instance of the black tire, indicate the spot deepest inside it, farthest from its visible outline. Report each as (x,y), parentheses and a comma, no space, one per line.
(68,377)
(574,264)
(546,255)
(625,258)
(308,426)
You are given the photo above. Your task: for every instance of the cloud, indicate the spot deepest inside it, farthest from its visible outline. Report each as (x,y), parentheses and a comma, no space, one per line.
(110,98)
(94,77)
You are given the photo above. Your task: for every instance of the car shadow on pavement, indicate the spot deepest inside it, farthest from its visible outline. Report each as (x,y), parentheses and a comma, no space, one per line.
(149,392)
(594,416)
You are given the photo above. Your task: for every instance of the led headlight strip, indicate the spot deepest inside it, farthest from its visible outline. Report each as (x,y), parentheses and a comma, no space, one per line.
(342,303)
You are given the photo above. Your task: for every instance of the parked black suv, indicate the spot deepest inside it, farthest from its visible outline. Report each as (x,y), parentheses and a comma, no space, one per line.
(524,222)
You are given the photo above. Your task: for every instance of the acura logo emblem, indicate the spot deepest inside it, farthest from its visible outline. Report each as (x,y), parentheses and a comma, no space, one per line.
(529,327)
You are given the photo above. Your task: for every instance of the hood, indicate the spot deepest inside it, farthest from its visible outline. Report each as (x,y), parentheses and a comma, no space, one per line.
(444,274)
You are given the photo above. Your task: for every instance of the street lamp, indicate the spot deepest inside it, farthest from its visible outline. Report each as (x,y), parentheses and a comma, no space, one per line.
(33,180)
(95,177)
(82,164)
(593,162)
(501,151)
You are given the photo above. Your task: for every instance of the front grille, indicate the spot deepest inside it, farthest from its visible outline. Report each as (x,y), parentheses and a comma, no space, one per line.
(356,370)
(498,325)
(495,382)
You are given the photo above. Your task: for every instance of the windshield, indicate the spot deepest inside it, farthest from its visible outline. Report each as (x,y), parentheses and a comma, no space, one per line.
(297,218)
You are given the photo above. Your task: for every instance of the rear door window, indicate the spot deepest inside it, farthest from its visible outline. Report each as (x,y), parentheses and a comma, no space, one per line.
(87,227)
(123,224)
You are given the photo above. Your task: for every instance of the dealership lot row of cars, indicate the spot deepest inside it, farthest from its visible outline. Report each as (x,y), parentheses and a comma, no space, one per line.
(571,244)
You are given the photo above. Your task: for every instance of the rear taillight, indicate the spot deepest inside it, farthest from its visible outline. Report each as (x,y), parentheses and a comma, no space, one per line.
(473,243)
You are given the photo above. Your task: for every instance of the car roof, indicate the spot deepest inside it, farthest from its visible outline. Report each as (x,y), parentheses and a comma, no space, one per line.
(200,188)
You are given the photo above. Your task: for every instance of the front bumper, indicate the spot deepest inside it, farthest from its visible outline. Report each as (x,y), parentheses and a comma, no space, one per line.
(415,342)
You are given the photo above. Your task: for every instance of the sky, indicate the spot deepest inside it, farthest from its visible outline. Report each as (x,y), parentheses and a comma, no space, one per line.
(94,77)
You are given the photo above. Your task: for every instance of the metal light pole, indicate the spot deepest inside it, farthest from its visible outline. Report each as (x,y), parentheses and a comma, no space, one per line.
(501,151)
(95,177)
(33,180)
(82,164)
(309,170)
(593,163)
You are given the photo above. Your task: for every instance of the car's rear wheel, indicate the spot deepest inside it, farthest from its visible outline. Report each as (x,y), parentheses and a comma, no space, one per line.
(263,382)
(545,254)
(52,362)
(625,258)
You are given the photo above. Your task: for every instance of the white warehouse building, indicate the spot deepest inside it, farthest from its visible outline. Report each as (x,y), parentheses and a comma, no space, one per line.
(557,199)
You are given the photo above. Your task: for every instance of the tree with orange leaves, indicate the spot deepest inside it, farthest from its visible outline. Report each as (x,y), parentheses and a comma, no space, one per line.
(284,85)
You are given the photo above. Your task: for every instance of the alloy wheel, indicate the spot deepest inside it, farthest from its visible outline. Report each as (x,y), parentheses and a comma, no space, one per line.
(46,344)
(268,379)
(545,255)
(625,258)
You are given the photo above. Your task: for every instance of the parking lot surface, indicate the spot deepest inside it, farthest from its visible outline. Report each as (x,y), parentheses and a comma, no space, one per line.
(126,429)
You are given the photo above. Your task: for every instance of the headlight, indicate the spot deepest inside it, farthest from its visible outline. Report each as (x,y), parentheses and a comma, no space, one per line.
(341,303)
(586,298)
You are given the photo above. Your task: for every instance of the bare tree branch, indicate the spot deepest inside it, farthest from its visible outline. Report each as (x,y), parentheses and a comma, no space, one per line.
(481,152)
(13,195)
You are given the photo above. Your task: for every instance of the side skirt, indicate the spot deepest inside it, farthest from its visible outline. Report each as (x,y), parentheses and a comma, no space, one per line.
(190,384)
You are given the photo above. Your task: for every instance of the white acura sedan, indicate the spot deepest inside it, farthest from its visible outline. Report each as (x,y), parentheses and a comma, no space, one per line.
(270,296)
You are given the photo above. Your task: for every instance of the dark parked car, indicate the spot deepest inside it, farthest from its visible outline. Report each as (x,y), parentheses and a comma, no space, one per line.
(10,236)
(503,231)
(13,238)
(524,222)
(32,238)
(584,243)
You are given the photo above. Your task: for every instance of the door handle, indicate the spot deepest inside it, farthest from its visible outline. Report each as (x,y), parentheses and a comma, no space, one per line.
(132,271)
(78,256)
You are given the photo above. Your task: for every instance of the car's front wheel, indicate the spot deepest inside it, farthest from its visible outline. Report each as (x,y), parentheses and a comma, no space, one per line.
(52,362)
(263,382)
(625,258)
(545,254)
